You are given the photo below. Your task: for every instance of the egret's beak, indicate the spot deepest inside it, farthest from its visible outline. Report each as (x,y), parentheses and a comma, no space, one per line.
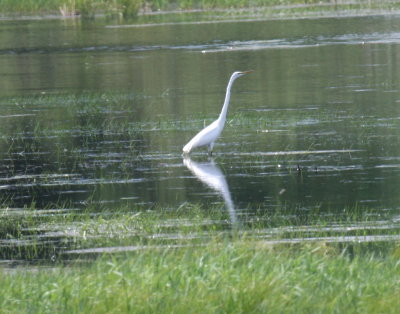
(247,72)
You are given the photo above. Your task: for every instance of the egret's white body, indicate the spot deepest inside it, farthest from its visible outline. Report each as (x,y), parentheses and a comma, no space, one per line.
(209,134)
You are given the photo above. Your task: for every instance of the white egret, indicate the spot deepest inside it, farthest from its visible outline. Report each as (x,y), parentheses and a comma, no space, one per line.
(209,134)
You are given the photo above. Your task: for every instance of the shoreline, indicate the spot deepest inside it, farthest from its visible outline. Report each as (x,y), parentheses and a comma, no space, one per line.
(273,12)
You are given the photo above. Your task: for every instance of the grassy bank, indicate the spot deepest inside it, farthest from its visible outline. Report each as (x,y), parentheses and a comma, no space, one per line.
(193,260)
(131,8)
(235,277)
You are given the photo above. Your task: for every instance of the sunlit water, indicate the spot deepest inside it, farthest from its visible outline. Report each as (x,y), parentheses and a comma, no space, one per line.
(99,111)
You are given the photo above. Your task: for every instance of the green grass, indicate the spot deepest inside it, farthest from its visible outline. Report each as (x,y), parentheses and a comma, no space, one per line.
(85,8)
(222,268)
(227,277)
(131,8)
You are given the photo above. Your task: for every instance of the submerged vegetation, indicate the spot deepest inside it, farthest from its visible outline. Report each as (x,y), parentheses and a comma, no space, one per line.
(131,8)
(62,232)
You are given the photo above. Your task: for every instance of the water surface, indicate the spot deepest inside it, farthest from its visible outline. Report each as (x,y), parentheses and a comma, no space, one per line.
(99,112)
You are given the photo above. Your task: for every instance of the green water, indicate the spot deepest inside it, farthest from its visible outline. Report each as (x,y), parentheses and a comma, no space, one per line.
(100,111)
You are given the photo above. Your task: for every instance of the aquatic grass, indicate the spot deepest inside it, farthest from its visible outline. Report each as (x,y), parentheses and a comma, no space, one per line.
(41,235)
(117,111)
(83,102)
(94,122)
(26,232)
(69,119)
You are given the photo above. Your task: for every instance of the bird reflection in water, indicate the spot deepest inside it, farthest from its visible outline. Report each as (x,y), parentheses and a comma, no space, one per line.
(210,174)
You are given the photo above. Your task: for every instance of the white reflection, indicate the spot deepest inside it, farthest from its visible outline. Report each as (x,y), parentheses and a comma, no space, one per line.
(210,174)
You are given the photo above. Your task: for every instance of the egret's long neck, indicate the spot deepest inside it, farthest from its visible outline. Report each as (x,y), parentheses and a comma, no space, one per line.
(224,110)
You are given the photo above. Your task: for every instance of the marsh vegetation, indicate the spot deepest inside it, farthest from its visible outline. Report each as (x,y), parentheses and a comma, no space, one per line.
(297,211)
(129,9)
(193,259)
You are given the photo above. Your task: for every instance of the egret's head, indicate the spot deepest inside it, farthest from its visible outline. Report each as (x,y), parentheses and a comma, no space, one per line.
(237,74)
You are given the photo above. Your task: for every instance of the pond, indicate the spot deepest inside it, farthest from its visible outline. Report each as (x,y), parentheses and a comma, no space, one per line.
(98,112)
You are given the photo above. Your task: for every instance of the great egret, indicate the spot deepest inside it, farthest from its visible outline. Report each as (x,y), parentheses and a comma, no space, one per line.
(209,134)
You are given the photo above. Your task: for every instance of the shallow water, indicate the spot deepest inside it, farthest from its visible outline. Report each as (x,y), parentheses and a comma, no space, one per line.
(100,111)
